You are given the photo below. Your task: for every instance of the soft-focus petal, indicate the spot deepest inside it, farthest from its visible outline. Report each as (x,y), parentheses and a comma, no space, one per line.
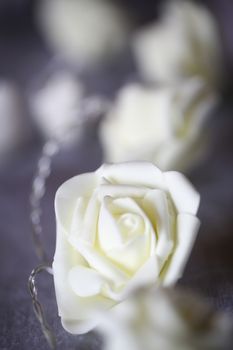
(133,173)
(103,265)
(187,228)
(66,196)
(186,199)
(85,282)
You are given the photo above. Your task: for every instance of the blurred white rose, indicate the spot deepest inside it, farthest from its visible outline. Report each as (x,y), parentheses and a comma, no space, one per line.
(165,319)
(123,226)
(163,125)
(55,107)
(184,43)
(86,32)
(13,128)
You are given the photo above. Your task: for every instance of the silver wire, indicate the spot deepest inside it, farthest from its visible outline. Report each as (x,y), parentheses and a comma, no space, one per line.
(37,306)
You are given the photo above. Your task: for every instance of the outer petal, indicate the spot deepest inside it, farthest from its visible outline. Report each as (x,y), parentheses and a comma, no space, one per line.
(156,206)
(186,199)
(102,264)
(85,282)
(187,228)
(79,327)
(72,308)
(67,195)
(133,173)
(146,275)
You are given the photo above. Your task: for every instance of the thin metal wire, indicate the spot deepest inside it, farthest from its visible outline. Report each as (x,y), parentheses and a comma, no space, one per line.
(37,306)
(43,171)
(90,109)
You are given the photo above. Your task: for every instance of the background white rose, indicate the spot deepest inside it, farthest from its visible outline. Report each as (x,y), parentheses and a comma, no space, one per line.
(86,32)
(165,319)
(184,43)
(124,226)
(163,125)
(55,107)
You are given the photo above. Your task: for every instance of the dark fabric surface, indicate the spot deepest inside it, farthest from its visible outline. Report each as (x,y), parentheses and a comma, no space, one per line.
(210,268)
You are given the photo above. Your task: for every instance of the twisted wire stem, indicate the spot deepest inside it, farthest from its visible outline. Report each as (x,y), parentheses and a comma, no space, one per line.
(43,171)
(89,109)
(38,309)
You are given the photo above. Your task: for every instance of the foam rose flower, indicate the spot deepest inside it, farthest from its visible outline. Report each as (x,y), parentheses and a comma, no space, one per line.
(55,107)
(164,125)
(167,319)
(184,43)
(84,32)
(123,226)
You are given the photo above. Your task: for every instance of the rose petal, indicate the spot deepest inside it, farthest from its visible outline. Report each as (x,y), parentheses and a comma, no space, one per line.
(116,191)
(102,264)
(186,199)
(156,204)
(108,232)
(187,228)
(128,249)
(67,194)
(79,326)
(70,306)
(90,220)
(132,255)
(85,282)
(133,173)
(145,276)
(77,219)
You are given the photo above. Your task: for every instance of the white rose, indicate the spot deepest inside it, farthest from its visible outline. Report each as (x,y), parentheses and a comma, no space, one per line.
(123,226)
(163,125)
(14,130)
(184,43)
(165,319)
(85,32)
(55,107)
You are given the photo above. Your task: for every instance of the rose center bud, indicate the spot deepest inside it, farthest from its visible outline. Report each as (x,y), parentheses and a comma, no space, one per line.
(130,225)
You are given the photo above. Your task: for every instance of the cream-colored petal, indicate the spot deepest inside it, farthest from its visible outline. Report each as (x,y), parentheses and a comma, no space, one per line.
(68,193)
(77,218)
(109,236)
(90,220)
(185,198)
(187,228)
(133,173)
(123,190)
(65,258)
(79,326)
(102,264)
(156,205)
(133,254)
(134,245)
(71,307)
(145,276)
(85,320)
(85,282)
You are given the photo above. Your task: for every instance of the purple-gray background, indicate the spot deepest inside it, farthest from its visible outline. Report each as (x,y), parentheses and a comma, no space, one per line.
(23,56)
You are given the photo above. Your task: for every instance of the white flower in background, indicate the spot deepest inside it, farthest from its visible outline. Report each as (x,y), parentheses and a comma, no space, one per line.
(123,226)
(86,32)
(165,319)
(184,43)
(14,129)
(163,125)
(55,107)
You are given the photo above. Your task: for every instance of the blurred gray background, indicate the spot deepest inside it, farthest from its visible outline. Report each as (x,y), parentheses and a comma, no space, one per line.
(23,57)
